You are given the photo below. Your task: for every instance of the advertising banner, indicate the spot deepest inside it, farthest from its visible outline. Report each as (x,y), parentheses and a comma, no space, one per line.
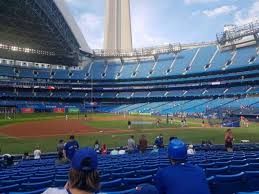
(59,110)
(73,110)
(27,110)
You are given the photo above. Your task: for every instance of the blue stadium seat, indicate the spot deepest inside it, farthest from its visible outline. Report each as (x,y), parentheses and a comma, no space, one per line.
(139,180)
(123,174)
(9,188)
(251,179)
(38,191)
(109,185)
(34,186)
(227,184)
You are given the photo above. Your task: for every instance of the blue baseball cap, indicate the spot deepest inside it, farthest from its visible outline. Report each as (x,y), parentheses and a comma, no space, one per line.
(145,189)
(177,150)
(79,157)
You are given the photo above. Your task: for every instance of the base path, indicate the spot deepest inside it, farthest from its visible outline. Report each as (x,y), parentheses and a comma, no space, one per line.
(48,128)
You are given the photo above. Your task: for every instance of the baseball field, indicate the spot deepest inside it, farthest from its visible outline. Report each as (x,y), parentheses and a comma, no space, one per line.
(26,131)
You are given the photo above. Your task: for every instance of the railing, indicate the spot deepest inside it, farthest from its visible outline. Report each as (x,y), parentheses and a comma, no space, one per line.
(149,51)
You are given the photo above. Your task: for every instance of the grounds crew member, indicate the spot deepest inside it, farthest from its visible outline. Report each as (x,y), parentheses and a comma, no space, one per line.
(180,177)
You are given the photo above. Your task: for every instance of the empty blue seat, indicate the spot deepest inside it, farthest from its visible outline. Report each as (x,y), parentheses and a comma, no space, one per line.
(214,171)
(111,184)
(251,179)
(146,172)
(38,191)
(38,185)
(139,180)
(227,184)
(238,168)
(123,174)
(13,182)
(60,182)
(9,188)
(40,179)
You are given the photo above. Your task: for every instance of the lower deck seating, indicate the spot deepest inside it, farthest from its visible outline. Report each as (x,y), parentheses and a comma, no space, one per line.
(226,172)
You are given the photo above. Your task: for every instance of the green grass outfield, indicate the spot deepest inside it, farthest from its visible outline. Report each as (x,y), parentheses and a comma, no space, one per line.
(194,133)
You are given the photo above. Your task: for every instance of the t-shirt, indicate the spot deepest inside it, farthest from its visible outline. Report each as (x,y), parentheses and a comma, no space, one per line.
(71,148)
(181,179)
(114,152)
(122,152)
(131,144)
(37,154)
(60,147)
(55,191)
(190,152)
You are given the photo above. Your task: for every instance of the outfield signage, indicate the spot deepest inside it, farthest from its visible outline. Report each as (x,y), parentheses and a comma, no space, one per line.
(59,110)
(73,110)
(27,110)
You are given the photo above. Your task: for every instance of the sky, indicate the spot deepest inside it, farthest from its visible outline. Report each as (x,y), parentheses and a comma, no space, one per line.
(158,22)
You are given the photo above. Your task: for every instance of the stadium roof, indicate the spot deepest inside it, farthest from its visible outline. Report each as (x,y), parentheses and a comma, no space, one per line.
(41,31)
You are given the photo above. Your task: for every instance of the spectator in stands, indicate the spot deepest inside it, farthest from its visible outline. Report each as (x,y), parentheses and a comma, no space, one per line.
(143,144)
(229,140)
(104,149)
(180,177)
(8,160)
(70,148)
(122,151)
(37,153)
(129,124)
(83,176)
(191,150)
(155,149)
(61,160)
(131,144)
(97,146)
(25,156)
(60,147)
(114,152)
(159,142)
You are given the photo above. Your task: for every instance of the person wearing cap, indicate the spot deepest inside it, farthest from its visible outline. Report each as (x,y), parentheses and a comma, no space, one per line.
(83,175)
(70,148)
(180,177)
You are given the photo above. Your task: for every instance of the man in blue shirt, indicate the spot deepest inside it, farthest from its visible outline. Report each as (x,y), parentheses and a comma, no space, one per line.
(180,177)
(70,148)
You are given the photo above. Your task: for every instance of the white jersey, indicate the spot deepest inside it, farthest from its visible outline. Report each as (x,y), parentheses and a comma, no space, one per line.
(37,154)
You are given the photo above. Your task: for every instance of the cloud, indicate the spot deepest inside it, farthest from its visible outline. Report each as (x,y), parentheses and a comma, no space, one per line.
(189,2)
(245,16)
(222,10)
(91,26)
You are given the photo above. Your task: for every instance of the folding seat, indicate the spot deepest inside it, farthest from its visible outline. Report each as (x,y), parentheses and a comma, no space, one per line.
(44,174)
(20,176)
(132,168)
(222,164)
(9,188)
(238,168)
(123,174)
(253,167)
(38,191)
(238,162)
(111,185)
(38,185)
(13,182)
(146,172)
(3,178)
(255,192)
(252,180)
(252,160)
(215,171)
(112,170)
(147,167)
(207,165)
(40,179)
(61,176)
(60,182)
(105,177)
(227,184)
(139,180)
(129,191)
